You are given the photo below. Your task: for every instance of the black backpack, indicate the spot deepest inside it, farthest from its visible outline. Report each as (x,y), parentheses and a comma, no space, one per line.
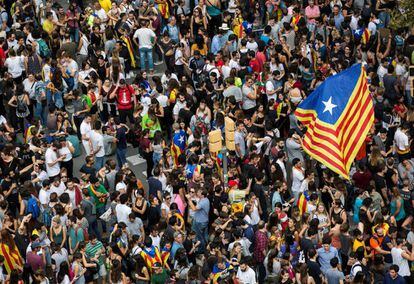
(21,108)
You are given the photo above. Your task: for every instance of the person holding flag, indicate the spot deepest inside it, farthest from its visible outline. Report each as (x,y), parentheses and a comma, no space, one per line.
(178,144)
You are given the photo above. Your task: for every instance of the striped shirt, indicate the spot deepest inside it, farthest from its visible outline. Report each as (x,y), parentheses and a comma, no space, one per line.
(91,251)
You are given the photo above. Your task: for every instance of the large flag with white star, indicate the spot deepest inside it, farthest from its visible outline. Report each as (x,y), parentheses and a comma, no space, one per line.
(338,116)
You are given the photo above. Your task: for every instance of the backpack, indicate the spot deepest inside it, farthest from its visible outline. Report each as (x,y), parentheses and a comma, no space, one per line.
(125,97)
(33,208)
(365,271)
(47,217)
(85,234)
(21,108)
(44,50)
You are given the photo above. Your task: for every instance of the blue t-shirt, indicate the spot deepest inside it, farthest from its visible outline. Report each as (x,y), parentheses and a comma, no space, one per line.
(201,215)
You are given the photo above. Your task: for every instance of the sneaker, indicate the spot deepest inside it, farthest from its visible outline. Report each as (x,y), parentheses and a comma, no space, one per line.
(131,74)
(158,63)
(128,76)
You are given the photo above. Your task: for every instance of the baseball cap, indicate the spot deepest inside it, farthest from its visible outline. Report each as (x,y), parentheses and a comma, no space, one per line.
(233,183)
(35,245)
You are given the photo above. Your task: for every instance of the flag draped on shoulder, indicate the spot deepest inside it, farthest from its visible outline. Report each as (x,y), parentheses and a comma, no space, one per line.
(338,116)
(178,145)
(303,202)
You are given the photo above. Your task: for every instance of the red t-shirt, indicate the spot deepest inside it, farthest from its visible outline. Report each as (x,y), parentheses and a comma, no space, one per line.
(2,57)
(255,65)
(261,57)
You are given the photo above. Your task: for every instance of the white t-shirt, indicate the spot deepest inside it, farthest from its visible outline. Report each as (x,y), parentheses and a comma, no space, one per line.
(120,186)
(58,189)
(246,277)
(401,140)
(269,89)
(178,56)
(14,66)
(86,129)
(3,120)
(163,100)
(50,157)
(44,196)
(145,37)
(402,263)
(97,141)
(72,197)
(165,207)
(225,71)
(29,87)
(122,212)
(252,46)
(65,151)
(297,180)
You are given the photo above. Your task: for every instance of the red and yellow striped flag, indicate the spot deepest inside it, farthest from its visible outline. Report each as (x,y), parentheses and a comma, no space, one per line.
(338,116)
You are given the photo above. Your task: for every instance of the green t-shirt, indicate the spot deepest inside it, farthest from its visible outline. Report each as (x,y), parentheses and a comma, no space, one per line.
(91,251)
(76,144)
(160,278)
(101,189)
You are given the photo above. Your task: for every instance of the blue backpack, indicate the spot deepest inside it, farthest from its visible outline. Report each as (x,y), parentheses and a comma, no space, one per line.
(33,208)
(44,50)
(47,217)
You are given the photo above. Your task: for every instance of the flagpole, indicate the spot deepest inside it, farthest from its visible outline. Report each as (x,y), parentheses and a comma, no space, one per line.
(225,175)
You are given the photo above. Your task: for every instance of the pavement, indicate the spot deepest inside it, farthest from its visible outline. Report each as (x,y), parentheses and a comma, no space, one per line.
(136,163)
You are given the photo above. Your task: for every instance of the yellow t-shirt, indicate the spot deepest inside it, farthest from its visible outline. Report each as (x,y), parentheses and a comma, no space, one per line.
(106,5)
(357,244)
(48,26)
(203,51)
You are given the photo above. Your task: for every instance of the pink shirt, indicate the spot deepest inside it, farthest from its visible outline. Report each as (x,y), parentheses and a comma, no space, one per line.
(312,13)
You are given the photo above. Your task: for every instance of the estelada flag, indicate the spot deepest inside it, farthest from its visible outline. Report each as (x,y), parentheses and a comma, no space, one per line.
(303,202)
(338,116)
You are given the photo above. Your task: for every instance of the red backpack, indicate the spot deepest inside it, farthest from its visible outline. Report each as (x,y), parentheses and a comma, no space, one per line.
(124,97)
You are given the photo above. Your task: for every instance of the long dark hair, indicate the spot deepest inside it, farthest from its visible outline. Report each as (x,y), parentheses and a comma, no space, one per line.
(116,273)
(63,271)
(270,257)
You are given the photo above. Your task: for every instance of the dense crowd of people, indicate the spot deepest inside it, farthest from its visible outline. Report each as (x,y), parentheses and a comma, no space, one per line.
(81,87)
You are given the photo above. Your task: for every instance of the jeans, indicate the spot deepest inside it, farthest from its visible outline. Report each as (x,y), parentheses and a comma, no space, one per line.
(74,34)
(40,112)
(121,157)
(126,113)
(93,228)
(54,97)
(99,162)
(146,54)
(385,18)
(156,158)
(99,212)
(201,230)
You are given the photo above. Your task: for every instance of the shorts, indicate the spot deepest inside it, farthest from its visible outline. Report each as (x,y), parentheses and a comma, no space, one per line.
(102,272)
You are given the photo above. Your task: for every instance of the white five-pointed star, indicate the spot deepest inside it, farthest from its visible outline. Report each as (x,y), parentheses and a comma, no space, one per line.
(181,139)
(329,106)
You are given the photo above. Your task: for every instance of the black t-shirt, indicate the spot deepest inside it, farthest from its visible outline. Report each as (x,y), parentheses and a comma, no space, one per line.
(306,244)
(408,196)
(380,184)
(314,271)
(251,129)
(122,139)
(154,215)
(185,115)
(91,171)
(154,186)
